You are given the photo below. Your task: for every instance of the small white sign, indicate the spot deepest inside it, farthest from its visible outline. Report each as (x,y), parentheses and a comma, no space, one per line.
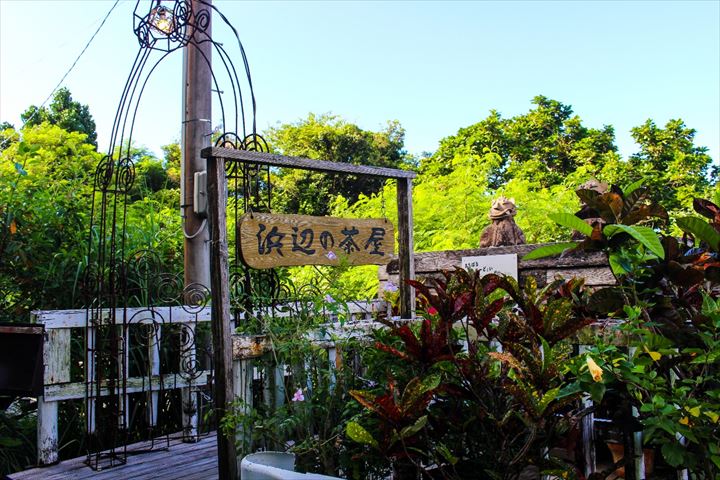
(486,264)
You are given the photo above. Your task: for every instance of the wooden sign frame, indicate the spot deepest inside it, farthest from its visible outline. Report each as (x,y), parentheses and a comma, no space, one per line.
(221,319)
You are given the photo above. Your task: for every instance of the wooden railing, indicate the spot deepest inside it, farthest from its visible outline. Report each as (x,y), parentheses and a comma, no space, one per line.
(57,358)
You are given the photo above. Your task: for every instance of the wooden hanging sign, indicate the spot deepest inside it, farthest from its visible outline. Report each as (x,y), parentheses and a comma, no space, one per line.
(268,240)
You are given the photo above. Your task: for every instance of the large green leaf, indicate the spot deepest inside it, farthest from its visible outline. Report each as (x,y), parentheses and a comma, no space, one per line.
(549,250)
(357,433)
(701,230)
(549,396)
(633,186)
(619,264)
(571,221)
(411,430)
(673,454)
(645,235)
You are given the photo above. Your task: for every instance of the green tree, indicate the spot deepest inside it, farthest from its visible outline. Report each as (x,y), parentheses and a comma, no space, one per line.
(673,168)
(65,113)
(328,137)
(171,159)
(543,145)
(45,199)
(8,134)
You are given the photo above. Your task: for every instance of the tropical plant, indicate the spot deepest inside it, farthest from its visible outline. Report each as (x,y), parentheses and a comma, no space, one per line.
(666,297)
(490,410)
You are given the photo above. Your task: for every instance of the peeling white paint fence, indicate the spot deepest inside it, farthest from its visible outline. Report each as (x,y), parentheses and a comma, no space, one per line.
(57,358)
(58,385)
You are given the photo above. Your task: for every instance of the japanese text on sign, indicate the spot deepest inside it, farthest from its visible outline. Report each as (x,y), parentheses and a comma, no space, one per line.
(269,240)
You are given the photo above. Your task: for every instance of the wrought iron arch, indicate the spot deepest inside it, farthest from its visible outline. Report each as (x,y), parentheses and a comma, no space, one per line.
(118,279)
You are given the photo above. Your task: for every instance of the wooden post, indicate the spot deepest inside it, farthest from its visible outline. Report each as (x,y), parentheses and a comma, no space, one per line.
(196,130)
(243,370)
(154,339)
(587,429)
(56,359)
(405,246)
(188,359)
(220,313)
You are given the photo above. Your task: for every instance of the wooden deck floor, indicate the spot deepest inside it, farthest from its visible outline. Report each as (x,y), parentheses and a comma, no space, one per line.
(187,461)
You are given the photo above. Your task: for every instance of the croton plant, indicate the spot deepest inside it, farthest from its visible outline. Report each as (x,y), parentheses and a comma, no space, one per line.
(496,408)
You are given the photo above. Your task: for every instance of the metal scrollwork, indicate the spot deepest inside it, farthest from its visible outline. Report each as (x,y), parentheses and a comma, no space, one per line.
(125,175)
(255,143)
(104,173)
(131,295)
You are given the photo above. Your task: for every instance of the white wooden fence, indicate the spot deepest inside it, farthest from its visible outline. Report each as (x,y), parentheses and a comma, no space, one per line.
(57,361)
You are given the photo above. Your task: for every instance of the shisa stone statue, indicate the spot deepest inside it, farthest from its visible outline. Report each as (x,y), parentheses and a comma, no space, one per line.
(587,214)
(503,230)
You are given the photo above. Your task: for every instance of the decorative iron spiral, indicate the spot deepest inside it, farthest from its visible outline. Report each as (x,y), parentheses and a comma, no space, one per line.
(232,141)
(202,21)
(104,173)
(255,143)
(153,327)
(169,289)
(195,297)
(125,175)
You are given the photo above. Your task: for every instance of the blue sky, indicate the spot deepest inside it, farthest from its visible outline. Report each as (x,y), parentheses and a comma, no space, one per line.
(434,66)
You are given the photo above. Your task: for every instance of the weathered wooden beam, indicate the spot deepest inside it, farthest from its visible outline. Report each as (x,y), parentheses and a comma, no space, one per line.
(405,246)
(428,262)
(56,359)
(59,319)
(155,383)
(47,432)
(273,160)
(220,313)
(196,132)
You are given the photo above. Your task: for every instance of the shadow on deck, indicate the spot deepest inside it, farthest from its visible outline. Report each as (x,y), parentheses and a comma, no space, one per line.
(189,461)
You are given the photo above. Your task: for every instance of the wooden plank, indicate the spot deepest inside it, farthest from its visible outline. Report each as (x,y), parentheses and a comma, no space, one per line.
(594,277)
(59,319)
(21,329)
(160,464)
(273,160)
(220,288)
(406,258)
(153,342)
(56,356)
(76,318)
(249,346)
(269,240)
(242,385)
(155,383)
(87,387)
(431,262)
(47,432)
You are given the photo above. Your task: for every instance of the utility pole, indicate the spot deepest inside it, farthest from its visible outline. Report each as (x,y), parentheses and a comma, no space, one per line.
(196,131)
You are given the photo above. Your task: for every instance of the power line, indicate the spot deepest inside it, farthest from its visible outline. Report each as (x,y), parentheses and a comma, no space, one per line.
(68,71)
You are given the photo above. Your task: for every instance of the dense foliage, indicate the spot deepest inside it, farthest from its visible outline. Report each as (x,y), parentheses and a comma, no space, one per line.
(64,112)
(666,301)
(328,137)
(537,158)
